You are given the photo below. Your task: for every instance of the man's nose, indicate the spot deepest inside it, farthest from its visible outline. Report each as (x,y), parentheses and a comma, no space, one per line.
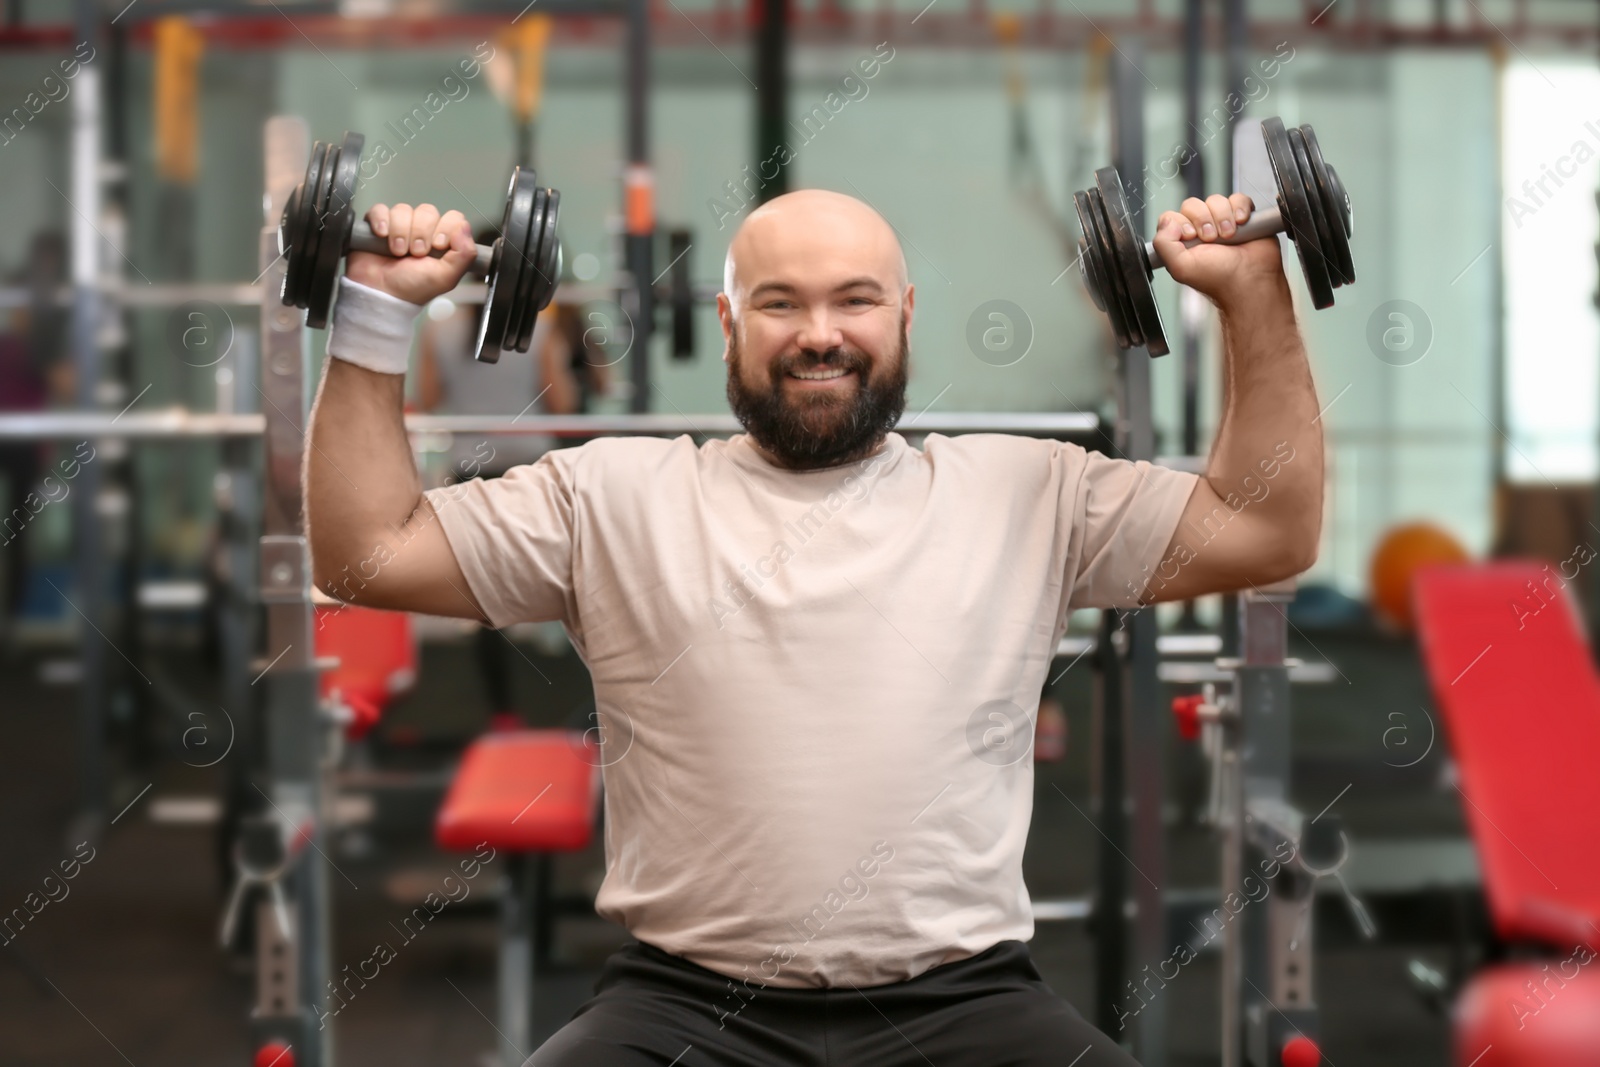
(819,332)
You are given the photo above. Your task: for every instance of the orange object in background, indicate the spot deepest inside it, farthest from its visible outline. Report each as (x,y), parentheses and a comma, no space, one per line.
(1396,559)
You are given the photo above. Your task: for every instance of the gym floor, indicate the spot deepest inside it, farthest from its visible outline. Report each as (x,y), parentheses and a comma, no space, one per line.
(126,969)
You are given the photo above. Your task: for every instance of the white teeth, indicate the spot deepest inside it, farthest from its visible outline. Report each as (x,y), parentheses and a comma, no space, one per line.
(818,376)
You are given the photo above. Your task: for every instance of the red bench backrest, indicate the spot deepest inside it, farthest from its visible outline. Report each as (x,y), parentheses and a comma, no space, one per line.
(377,655)
(1510,669)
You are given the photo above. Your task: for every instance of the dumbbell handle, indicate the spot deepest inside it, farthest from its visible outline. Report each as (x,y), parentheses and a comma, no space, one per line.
(1265,223)
(362,239)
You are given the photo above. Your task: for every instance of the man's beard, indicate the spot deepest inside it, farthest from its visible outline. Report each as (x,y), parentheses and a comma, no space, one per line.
(820,430)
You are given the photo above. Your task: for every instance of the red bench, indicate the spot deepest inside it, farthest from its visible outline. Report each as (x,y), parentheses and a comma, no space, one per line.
(1511,671)
(377,661)
(527,794)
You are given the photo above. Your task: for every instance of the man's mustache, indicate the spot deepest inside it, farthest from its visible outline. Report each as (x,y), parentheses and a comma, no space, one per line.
(833,359)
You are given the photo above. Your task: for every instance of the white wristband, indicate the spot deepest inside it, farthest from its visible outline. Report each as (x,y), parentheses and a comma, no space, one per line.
(371,328)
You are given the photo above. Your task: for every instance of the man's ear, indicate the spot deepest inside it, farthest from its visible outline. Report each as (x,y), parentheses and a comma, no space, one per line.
(725,319)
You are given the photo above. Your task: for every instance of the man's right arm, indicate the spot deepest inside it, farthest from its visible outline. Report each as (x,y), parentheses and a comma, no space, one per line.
(375,538)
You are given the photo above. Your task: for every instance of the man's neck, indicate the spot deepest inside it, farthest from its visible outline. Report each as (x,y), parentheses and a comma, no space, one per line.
(855,457)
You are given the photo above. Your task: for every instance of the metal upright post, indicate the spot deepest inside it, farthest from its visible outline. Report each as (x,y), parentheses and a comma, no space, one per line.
(238,495)
(1236,38)
(1192,303)
(1268,951)
(772,96)
(1236,43)
(1146,715)
(1108,924)
(88,536)
(639,183)
(290,995)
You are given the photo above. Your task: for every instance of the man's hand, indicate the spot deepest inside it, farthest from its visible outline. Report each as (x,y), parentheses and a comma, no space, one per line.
(1231,275)
(413,232)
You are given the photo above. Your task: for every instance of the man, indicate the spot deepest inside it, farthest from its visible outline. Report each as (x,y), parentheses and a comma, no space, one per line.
(811,644)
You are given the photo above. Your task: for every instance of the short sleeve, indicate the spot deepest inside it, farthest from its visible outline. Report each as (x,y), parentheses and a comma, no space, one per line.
(1119,517)
(513,537)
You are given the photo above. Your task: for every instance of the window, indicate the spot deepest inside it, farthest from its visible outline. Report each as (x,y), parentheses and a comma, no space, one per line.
(1550,168)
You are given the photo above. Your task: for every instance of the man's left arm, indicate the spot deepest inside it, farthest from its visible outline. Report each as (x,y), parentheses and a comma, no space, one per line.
(1255,517)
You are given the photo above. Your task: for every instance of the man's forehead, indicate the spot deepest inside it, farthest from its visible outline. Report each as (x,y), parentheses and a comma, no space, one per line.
(814,239)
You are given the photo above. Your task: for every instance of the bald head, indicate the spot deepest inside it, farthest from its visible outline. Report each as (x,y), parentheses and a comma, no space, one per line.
(808,238)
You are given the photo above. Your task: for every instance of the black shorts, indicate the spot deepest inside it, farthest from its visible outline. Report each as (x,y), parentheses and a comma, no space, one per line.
(992,1010)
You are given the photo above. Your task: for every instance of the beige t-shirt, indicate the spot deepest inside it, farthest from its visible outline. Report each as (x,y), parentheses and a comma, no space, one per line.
(817,689)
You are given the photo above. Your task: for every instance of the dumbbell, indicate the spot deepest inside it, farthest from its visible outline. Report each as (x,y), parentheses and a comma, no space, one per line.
(1313,209)
(319,227)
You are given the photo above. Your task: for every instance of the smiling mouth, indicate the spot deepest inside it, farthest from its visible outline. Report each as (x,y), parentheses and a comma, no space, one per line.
(821,374)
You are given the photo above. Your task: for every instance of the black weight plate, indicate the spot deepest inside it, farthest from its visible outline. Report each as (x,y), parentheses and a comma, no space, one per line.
(291,230)
(500,302)
(322,269)
(303,239)
(1340,201)
(507,268)
(1100,275)
(497,251)
(1294,202)
(546,261)
(1119,307)
(542,239)
(1117,295)
(518,318)
(519,334)
(1322,281)
(1090,265)
(1336,207)
(1132,267)
(550,275)
(337,216)
(316,228)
